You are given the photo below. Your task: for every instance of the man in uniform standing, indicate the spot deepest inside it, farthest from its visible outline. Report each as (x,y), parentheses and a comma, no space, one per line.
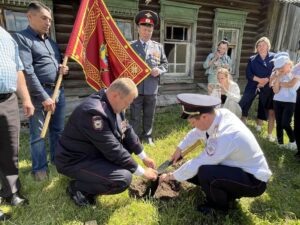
(12,80)
(153,54)
(96,146)
(41,58)
(232,164)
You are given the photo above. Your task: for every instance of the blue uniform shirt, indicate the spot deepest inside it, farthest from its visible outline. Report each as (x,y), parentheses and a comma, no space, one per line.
(10,63)
(95,131)
(41,59)
(154,56)
(260,68)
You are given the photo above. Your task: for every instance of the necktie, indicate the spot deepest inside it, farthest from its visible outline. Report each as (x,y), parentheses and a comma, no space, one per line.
(144,45)
(207,135)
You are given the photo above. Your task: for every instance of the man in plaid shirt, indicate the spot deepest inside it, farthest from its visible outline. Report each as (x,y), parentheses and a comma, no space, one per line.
(11,80)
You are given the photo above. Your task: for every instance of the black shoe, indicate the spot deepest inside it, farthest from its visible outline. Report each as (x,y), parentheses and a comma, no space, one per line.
(3,216)
(91,199)
(16,199)
(79,197)
(149,141)
(233,204)
(205,209)
(208,209)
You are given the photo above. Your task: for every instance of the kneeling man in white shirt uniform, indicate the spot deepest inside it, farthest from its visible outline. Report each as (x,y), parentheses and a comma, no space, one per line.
(232,164)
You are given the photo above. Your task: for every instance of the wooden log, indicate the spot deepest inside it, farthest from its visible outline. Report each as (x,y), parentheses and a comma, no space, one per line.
(79,92)
(63,28)
(75,75)
(66,18)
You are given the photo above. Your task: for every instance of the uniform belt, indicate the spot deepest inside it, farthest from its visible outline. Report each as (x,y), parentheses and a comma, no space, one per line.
(5,96)
(51,85)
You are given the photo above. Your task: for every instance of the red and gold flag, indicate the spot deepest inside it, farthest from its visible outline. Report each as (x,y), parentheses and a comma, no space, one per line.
(99,47)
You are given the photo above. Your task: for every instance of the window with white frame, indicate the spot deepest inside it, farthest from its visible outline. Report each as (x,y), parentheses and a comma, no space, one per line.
(178,34)
(230,24)
(231,35)
(126,27)
(15,21)
(177,47)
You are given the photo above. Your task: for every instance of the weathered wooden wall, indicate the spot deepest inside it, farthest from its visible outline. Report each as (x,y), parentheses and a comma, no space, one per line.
(252,30)
(75,86)
(65,12)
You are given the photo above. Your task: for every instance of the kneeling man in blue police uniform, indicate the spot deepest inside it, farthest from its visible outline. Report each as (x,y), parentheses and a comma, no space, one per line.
(96,146)
(232,164)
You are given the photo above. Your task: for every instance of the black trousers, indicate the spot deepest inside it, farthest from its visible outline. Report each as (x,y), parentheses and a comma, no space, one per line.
(284,112)
(248,98)
(297,121)
(99,177)
(9,145)
(145,104)
(222,184)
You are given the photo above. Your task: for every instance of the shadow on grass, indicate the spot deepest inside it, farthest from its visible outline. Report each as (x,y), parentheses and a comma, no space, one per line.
(50,204)
(182,210)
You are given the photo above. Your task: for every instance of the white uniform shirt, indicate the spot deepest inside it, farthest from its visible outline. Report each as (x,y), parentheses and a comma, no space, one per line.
(287,94)
(230,143)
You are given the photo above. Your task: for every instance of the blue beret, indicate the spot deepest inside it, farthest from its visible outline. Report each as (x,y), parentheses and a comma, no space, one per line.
(280,59)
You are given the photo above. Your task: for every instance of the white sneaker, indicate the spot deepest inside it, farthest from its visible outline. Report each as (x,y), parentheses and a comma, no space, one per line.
(292,146)
(271,138)
(258,128)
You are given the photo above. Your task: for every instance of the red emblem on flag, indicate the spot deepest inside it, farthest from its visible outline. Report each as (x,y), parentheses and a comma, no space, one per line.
(99,47)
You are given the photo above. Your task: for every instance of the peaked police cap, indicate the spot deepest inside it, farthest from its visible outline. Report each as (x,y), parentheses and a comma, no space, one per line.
(195,104)
(146,17)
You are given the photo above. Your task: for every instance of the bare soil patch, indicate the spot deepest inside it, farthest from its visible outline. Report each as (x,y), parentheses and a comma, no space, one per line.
(165,190)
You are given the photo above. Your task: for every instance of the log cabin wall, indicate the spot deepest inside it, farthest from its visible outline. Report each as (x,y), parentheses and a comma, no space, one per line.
(286,32)
(255,26)
(76,87)
(261,20)
(64,13)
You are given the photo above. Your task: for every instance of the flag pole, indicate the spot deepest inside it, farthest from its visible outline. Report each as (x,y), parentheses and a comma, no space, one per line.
(54,96)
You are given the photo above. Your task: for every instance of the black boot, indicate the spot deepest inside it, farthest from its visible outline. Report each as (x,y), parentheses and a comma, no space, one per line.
(206,209)
(79,197)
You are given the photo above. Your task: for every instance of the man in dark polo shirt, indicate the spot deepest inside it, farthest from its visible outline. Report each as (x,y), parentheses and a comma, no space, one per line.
(41,58)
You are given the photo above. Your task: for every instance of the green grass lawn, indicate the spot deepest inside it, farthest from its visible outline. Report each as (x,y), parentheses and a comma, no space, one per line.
(49,204)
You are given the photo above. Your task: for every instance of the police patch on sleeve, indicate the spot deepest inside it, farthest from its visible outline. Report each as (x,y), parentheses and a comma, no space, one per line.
(97,123)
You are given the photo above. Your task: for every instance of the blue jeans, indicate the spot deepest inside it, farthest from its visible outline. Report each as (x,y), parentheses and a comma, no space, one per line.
(56,126)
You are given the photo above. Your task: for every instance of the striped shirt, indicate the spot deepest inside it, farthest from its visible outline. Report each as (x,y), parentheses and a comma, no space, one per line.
(10,63)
